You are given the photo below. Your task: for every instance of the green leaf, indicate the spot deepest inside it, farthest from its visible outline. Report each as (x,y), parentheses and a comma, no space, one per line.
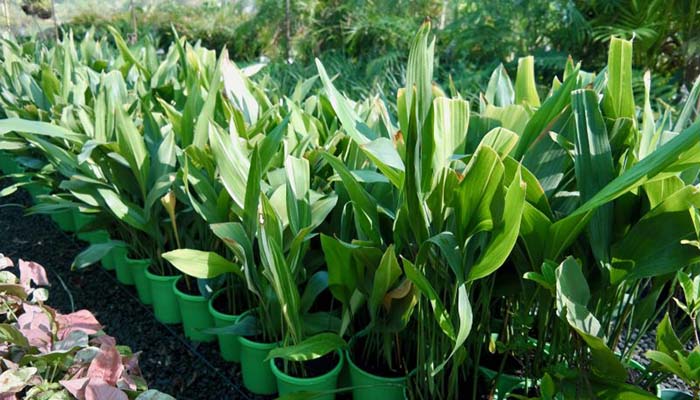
(342,278)
(441,315)
(671,156)
(385,278)
(39,128)
(132,148)
(232,161)
(10,334)
(472,201)
(200,264)
(277,271)
(505,232)
(450,126)
(94,253)
(593,154)
(525,87)
(499,91)
(126,53)
(653,246)
(206,115)
(618,100)
(543,119)
(666,340)
(311,348)
(365,207)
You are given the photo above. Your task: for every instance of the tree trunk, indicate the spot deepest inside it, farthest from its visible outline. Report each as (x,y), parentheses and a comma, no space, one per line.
(443,13)
(6,11)
(287,30)
(55,19)
(134,26)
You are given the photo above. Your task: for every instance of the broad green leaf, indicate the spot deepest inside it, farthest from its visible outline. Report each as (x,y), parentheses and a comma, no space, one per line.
(311,348)
(618,100)
(123,210)
(278,271)
(543,119)
(385,278)
(126,53)
(342,278)
(500,91)
(593,154)
(94,253)
(39,128)
(670,156)
(441,315)
(132,148)
(525,87)
(505,232)
(365,207)
(10,334)
(206,115)
(472,201)
(232,162)
(450,125)
(200,264)
(666,340)
(653,246)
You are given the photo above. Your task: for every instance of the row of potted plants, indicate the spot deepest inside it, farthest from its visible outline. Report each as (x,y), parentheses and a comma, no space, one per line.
(422,248)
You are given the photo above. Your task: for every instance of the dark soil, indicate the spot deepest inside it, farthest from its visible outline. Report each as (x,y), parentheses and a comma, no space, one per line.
(169,362)
(192,289)
(311,368)
(221,303)
(375,365)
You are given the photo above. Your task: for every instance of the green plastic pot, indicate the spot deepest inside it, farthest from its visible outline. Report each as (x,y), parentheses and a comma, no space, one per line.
(327,382)
(138,271)
(673,394)
(64,220)
(229,347)
(114,257)
(80,219)
(8,164)
(506,383)
(35,190)
(125,274)
(165,305)
(370,386)
(94,237)
(195,315)
(256,371)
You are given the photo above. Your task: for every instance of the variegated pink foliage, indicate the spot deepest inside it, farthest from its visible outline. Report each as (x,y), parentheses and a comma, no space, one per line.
(90,366)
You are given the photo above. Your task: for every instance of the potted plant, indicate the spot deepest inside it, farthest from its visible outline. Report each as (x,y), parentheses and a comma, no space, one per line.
(671,356)
(377,305)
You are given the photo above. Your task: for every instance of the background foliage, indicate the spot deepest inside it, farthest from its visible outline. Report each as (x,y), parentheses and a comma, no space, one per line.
(366,41)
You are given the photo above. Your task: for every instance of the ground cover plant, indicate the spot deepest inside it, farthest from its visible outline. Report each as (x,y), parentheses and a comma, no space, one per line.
(46,354)
(432,245)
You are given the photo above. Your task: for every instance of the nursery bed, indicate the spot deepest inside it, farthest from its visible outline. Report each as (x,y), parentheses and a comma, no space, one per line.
(169,362)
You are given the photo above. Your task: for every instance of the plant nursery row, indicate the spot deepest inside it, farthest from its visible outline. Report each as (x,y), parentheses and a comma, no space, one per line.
(539,243)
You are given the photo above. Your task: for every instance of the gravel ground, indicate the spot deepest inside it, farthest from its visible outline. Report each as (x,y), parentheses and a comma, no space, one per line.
(648,342)
(169,362)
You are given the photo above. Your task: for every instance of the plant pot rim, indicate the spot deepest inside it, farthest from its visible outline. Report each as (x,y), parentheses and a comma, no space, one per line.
(335,371)
(186,296)
(256,345)
(218,314)
(400,379)
(661,391)
(162,278)
(145,261)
